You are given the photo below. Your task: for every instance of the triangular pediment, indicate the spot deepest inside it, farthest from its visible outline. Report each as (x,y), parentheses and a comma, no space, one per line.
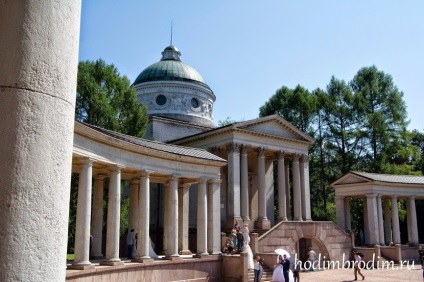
(350,178)
(274,126)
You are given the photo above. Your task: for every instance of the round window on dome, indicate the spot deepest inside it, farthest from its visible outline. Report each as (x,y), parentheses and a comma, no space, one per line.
(195,103)
(161,100)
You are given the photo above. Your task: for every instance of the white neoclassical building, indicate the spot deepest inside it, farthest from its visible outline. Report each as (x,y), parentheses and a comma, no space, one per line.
(380,194)
(99,154)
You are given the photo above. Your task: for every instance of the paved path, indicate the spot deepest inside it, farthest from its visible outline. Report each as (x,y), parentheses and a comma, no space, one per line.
(375,275)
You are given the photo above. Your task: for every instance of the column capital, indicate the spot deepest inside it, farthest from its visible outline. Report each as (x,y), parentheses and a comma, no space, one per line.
(99,177)
(172,178)
(233,147)
(116,167)
(295,158)
(371,195)
(304,158)
(340,197)
(260,151)
(281,154)
(394,197)
(244,148)
(146,173)
(215,181)
(412,197)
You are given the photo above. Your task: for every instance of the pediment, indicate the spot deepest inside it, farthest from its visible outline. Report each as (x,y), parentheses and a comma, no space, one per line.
(350,179)
(275,126)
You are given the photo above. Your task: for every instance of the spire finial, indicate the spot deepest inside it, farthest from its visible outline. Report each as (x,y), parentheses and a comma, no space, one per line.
(171,31)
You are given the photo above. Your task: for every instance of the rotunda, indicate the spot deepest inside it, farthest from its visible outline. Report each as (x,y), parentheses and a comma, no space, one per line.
(173,90)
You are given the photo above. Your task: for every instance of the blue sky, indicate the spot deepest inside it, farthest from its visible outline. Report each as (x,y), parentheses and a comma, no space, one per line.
(246,50)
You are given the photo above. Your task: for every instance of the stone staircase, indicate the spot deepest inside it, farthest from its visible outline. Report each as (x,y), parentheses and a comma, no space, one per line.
(266,274)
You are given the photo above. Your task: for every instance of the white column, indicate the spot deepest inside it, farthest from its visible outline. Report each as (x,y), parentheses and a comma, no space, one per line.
(173,219)
(233,189)
(380,220)
(214,217)
(244,189)
(97,217)
(113,218)
(297,201)
(412,221)
(183,212)
(288,197)
(202,219)
(133,208)
(306,193)
(263,222)
(38,71)
(372,219)
(387,221)
(348,217)
(82,232)
(395,221)
(340,212)
(282,210)
(166,216)
(143,238)
(366,224)
(408,221)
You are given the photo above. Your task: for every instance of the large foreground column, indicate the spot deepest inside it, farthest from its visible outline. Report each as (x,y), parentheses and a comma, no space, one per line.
(38,67)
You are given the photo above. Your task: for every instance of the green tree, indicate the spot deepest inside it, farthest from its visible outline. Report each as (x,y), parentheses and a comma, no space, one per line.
(297,106)
(342,125)
(106,99)
(383,112)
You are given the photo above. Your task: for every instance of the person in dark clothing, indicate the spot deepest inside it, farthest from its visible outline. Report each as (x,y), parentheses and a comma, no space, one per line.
(421,254)
(286,267)
(240,241)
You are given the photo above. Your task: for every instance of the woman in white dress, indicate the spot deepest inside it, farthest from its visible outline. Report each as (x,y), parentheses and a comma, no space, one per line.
(278,275)
(246,247)
(152,252)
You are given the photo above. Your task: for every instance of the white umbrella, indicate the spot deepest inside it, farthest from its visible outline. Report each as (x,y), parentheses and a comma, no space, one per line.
(282,252)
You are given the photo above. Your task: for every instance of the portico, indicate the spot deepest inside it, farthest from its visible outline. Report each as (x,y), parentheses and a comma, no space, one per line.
(380,194)
(251,148)
(99,154)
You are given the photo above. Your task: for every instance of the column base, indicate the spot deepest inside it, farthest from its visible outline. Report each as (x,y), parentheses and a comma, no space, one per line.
(201,255)
(186,252)
(145,260)
(172,257)
(113,262)
(263,223)
(99,256)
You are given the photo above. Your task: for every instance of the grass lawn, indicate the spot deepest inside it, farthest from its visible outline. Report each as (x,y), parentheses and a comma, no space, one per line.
(70,256)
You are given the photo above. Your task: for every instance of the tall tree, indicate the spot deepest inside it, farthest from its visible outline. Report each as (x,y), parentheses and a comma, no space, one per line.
(106,99)
(297,106)
(383,110)
(341,120)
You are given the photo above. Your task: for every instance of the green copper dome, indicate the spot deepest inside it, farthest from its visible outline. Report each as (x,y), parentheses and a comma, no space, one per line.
(170,67)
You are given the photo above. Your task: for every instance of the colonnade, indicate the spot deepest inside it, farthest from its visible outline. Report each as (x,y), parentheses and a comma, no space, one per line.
(381,218)
(89,217)
(238,198)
